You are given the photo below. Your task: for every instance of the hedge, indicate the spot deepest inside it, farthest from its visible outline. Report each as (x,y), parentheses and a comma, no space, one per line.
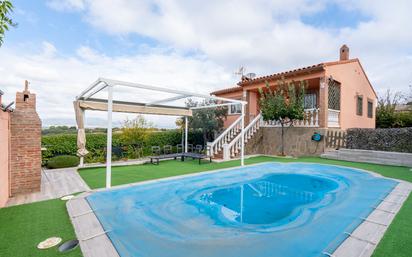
(66,144)
(63,161)
(381,139)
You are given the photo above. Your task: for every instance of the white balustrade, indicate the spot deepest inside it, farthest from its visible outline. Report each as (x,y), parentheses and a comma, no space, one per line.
(233,148)
(333,118)
(224,138)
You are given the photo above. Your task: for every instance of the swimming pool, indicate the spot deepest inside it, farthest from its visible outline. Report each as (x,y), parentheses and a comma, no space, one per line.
(270,209)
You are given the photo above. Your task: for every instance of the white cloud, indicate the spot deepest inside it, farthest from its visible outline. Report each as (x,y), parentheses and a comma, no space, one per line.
(57,79)
(66,5)
(264,36)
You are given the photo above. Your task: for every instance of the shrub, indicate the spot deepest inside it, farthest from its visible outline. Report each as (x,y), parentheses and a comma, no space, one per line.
(66,144)
(63,161)
(384,139)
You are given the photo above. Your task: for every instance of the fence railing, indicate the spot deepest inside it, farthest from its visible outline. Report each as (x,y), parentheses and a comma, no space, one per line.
(335,139)
(311,119)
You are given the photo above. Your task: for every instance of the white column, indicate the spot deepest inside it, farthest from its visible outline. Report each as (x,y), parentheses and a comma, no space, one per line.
(109,137)
(242,149)
(186,132)
(82,157)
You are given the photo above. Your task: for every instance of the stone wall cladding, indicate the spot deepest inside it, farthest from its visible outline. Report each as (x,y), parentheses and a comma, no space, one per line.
(25,145)
(391,139)
(298,142)
(255,144)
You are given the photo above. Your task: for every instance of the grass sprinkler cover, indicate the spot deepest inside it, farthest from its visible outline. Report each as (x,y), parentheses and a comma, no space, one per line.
(270,209)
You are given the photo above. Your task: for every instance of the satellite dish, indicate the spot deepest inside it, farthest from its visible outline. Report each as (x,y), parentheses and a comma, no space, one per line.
(250,75)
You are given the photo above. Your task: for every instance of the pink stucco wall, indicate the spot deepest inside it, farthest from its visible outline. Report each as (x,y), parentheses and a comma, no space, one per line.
(4,157)
(232,117)
(353,83)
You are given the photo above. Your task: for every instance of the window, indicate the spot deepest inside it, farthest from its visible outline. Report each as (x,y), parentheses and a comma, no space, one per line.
(359,104)
(334,96)
(310,101)
(235,109)
(370,109)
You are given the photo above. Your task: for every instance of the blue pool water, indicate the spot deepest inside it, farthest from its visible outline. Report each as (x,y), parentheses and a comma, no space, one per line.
(270,209)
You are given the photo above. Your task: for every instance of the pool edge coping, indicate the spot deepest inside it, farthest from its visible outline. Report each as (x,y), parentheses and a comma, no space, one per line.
(364,245)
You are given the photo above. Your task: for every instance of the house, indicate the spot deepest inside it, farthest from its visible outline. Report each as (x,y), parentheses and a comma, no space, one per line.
(403,107)
(339,94)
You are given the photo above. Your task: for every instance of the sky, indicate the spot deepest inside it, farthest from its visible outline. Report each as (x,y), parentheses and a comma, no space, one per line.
(62,46)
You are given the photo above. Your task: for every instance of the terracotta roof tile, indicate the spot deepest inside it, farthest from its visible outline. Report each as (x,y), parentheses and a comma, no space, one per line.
(227,90)
(303,70)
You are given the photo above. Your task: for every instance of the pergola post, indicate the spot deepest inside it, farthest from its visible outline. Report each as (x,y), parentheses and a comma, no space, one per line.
(81,164)
(186,132)
(109,137)
(242,140)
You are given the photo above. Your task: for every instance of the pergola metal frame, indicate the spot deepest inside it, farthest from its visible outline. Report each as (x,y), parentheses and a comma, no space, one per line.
(157,107)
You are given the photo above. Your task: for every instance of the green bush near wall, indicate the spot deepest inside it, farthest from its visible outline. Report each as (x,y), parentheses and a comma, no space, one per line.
(66,144)
(63,161)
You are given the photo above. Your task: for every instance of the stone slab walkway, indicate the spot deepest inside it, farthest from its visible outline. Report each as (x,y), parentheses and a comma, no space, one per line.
(54,184)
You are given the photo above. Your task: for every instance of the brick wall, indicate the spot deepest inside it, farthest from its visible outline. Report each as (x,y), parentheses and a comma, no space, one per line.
(25,149)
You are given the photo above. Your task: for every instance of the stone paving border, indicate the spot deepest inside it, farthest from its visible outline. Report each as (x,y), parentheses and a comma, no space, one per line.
(94,241)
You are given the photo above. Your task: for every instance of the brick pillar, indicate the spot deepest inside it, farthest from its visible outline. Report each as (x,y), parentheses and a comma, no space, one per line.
(323,103)
(25,150)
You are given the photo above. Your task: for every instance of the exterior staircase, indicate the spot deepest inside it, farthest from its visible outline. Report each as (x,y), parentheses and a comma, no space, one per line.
(228,144)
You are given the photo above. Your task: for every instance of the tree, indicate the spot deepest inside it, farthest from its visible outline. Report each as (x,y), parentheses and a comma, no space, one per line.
(135,131)
(385,111)
(283,103)
(6,7)
(208,120)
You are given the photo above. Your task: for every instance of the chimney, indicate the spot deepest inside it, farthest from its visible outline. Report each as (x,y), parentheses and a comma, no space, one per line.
(344,53)
(25,144)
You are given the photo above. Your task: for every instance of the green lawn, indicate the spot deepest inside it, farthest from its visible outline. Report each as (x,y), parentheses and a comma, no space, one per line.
(23,227)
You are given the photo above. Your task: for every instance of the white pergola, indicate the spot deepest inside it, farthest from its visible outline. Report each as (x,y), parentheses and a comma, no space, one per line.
(84,101)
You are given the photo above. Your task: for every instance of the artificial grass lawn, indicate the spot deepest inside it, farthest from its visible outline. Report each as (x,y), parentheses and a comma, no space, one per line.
(23,227)
(396,242)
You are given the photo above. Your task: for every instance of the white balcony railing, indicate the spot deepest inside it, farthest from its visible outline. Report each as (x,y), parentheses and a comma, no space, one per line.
(333,118)
(311,119)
